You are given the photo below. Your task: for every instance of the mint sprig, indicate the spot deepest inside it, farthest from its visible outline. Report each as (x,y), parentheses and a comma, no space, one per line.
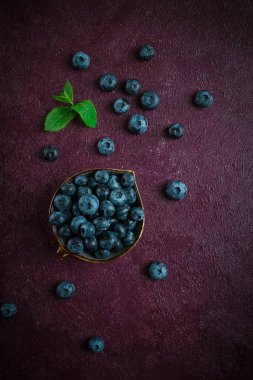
(59,117)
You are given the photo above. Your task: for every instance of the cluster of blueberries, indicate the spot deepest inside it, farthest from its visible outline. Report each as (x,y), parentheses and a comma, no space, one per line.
(97,213)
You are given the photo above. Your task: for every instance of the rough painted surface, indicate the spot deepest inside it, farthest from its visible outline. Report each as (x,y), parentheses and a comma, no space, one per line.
(197,324)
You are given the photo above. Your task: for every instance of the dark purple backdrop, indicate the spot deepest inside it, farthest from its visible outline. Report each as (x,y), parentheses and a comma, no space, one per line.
(196,324)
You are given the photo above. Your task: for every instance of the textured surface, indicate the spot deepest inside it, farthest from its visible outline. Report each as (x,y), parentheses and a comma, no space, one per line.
(196,324)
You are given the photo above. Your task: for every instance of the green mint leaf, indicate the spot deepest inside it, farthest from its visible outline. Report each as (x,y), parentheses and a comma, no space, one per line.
(67,95)
(87,111)
(58,118)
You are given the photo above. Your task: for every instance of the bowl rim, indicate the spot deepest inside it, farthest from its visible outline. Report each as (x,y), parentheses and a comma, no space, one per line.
(62,252)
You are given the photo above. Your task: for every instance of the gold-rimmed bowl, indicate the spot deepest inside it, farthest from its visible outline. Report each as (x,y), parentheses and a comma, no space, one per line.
(62,250)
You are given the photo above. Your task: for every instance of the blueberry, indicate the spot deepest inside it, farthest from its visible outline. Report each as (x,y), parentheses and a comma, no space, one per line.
(92,183)
(131,195)
(108,82)
(132,86)
(88,204)
(75,209)
(129,238)
(102,192)
(138,124)
(81,60)
(127,179)
(118,197)
(65,290)
(96,344)
(102,253)
(106,146)
(64,231)
(62,202)
(101,176)
(150,100)
(107,240)
(175,131)
(146,53)
(203,99)
(7,310)
(137,213)
(114,182)
(119,230)
(68,189)
(50,153)
(176,190)
(76,223)
(91,243)
(106,209)
(121,105)
(129,224)
(81,180)
(87,229)
(83,190)
(101,223)
(75,245)
(121,212)
(57,218)
(157,270)
(118,246)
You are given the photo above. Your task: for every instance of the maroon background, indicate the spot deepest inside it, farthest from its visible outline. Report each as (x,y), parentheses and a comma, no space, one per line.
(196,324)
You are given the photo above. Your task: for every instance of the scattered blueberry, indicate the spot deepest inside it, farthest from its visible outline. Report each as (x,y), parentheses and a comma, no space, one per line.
(150,100)
(83,190)
(121,105)
(119,230)
(65,290)
(81,180)
(88,204)
(76,223)
(81,60)
(102,192)
(203,99)
(102,253)
(75,245)
(175,131)
(132,86)
(87,230)
(138,124)
(101,223)
(64,231)
(137,213)
(129,238)
(118,197)
(157,270)
(106,209)
(106,146)
(91,243)
(96,344)
(114,182)
(102,176)
(7,310)
(68,189)
(107,240)
(57,218)
(50,153)
(127,179)
(176,190)
(108,82)
(146,53)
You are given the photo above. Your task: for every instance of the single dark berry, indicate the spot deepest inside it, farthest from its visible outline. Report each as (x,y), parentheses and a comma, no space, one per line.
(83,190)
(131,195)
(108,82)
(106,209)
(101,176)
(88,204)
(132,86)
(102,192)
(7,310)
(64,231)
(101,223)
(75,245)
(106,146)
(68,189)
(157,270)
(176,190)
(137,213)
(50,153)
(203,99)
(96,344)
(114,182)
(65,290)
(62,202)
(146,53)
(138,124)
(58,218)
(150,100)
(175,131)
(81,60)
(87,230)
(81,180)
(121,105)
(76,223)
(127,179)
(118,197)
(102,253)
(107,240)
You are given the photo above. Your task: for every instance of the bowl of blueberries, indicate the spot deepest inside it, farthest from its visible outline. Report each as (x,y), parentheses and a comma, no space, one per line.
(97,215)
